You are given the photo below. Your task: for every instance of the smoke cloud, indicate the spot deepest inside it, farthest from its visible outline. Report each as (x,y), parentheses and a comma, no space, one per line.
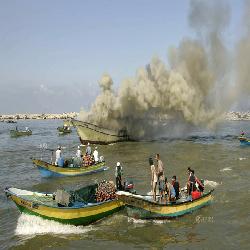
(242,58)
(194,89)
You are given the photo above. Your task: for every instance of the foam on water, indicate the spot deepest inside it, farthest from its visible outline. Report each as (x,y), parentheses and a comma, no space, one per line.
(211,183)
(226,169)
(33,225)
(140,221)
(242,158)
(137,221)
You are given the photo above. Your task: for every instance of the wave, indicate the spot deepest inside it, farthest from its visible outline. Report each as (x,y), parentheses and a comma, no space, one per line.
(211,183)
(225,169)
(194,138)
(242,158)
(33,225)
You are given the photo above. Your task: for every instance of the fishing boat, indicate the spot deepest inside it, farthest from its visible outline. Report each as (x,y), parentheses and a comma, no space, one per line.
(244,141)
(11,121)
(64,130)
(89,132)
(143,207)
(77,207)
(17,133)
(51,170)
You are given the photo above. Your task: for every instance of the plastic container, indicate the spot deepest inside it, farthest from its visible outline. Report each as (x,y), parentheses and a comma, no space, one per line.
(60,162)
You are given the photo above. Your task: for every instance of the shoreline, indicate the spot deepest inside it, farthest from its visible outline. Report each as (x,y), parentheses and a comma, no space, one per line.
(39,116)
(230,116)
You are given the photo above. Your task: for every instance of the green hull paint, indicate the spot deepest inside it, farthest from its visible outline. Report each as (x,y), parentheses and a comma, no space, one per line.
(78,221)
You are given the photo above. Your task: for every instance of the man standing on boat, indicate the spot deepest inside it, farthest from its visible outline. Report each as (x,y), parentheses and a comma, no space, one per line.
(78,152)
(58,154)
(118,176)
(161,176)
(95,154)
(154,177)
(88,149)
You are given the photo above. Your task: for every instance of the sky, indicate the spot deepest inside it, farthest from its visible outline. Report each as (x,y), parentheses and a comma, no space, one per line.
(53,53)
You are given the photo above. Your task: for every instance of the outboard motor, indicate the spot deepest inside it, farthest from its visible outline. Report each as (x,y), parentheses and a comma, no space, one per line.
(129,186)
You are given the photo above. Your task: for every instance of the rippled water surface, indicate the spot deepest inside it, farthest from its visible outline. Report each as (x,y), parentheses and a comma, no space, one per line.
(216,157)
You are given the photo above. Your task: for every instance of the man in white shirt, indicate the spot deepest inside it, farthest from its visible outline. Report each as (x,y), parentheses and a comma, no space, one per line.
(58,154)
(95,154)
(88,149)
(78,152)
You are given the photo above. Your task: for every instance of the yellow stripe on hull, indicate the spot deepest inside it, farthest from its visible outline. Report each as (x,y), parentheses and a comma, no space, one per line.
(142,208)
(67,213)
(68,171)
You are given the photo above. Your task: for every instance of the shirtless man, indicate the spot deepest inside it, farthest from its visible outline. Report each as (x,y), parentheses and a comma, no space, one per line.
(161,176)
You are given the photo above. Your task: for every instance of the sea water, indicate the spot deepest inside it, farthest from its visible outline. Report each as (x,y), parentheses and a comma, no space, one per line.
(216,157)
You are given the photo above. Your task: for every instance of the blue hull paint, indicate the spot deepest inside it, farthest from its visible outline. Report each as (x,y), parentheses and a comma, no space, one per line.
(245,143)
(47,173)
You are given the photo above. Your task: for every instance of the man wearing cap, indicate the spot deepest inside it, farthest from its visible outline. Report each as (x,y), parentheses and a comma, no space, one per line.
(118,176)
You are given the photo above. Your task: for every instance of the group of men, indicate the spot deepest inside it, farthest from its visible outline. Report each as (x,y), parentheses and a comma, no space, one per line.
(87,159)
(171,190)
(166,189)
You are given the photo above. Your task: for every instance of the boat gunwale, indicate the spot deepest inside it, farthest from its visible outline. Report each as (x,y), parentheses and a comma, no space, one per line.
(67,169)
(45,205)
(172,204)
(85,125)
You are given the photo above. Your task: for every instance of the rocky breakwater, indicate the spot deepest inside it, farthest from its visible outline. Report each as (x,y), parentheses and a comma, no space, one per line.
(39,116)
(238,116)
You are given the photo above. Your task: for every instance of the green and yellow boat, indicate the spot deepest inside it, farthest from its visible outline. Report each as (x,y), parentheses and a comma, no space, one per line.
(142,206)
(51,170)
(82,210)
(64,130)
(17,133)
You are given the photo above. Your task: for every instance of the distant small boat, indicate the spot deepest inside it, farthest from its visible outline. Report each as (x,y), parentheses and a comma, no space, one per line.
(92,133)
(244,141)
(140,207)
(64,130)
(11,121)
(50,170)
(17,133)
(83,208)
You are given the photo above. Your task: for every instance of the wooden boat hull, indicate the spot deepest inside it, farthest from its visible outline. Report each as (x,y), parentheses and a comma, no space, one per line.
(16,133)
(140,208)
(91,133)
(49,170)
(66,215)
(244,141)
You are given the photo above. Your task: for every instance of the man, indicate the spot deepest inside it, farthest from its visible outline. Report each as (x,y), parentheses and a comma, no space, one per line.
(154,177)
(95,154)
(161,176)
(170,191)
(191,181)
(78,152)
(58,154)
(118,176)
(176,186)
(88,149)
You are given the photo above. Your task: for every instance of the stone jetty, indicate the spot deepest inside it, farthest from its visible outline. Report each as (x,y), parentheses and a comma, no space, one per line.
(238,116)
(39,116)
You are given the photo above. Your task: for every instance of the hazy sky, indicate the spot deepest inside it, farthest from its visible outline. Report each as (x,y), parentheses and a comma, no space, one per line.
(52,53)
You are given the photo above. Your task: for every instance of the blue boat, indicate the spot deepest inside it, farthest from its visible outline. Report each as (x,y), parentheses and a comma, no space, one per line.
(244,141)
(50,170)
